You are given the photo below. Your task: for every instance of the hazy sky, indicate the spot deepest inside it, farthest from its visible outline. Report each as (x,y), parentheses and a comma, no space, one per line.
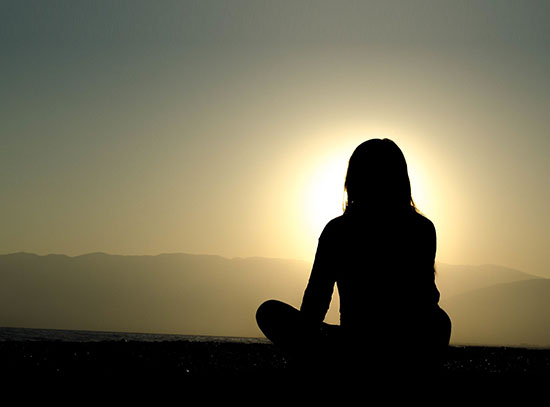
(224,127)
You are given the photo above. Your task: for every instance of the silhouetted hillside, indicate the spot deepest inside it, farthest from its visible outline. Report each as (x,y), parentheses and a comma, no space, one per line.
(505,314)
(169,293)
(458,279)
(211,295)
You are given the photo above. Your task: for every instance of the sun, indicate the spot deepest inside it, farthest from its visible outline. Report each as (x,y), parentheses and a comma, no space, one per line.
(324,194)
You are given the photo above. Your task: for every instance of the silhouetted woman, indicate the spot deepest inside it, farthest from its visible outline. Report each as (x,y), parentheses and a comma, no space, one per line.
(380,254)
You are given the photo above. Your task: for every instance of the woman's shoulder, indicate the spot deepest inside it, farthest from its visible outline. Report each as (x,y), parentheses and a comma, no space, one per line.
(345,223)
(335,226)
(336,223)
(424,231)
(422,222)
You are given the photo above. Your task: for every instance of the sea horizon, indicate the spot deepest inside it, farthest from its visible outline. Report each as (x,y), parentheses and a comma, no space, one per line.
(82,335)
(24,334)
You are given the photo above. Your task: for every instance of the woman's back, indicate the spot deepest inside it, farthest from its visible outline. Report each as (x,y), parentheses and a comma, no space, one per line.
(382,264)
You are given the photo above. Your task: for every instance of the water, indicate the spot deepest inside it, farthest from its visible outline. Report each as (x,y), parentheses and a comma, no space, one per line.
(61,335)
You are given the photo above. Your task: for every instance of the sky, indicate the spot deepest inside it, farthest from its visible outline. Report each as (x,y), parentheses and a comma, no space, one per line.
(224,127)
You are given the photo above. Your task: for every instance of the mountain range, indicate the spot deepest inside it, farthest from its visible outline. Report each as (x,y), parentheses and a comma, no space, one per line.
(212,295)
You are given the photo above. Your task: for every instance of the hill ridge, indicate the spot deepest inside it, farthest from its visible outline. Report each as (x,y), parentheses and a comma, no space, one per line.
(199,294)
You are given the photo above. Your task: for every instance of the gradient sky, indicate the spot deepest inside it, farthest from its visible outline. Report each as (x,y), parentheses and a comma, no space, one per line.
(224,127)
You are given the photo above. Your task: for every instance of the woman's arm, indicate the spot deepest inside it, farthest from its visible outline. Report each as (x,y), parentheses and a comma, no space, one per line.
(318,293)
(433,296)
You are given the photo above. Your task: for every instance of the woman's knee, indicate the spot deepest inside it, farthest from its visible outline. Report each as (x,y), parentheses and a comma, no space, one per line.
(266,309)
(268,313)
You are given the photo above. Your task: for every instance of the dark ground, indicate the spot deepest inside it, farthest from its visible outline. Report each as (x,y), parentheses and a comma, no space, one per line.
(181,360)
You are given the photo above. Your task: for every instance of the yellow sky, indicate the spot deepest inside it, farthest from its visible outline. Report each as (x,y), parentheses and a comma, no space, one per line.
(201,128)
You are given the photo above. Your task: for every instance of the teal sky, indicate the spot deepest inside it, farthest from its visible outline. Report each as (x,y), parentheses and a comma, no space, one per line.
(223,127)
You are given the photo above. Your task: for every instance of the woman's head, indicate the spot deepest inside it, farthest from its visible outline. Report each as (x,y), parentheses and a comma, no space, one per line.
(377,177)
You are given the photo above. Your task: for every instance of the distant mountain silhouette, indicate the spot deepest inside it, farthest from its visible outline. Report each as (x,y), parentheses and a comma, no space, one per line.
(458,279)
(169,293)
(511,314)
(212,295)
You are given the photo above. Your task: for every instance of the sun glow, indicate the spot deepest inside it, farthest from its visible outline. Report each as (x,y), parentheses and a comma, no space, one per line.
(325,192)
(421,194)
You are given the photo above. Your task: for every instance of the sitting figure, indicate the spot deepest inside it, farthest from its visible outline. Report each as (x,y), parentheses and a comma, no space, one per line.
(380,254)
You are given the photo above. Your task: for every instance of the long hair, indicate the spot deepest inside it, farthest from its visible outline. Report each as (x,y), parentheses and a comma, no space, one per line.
(377,178)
